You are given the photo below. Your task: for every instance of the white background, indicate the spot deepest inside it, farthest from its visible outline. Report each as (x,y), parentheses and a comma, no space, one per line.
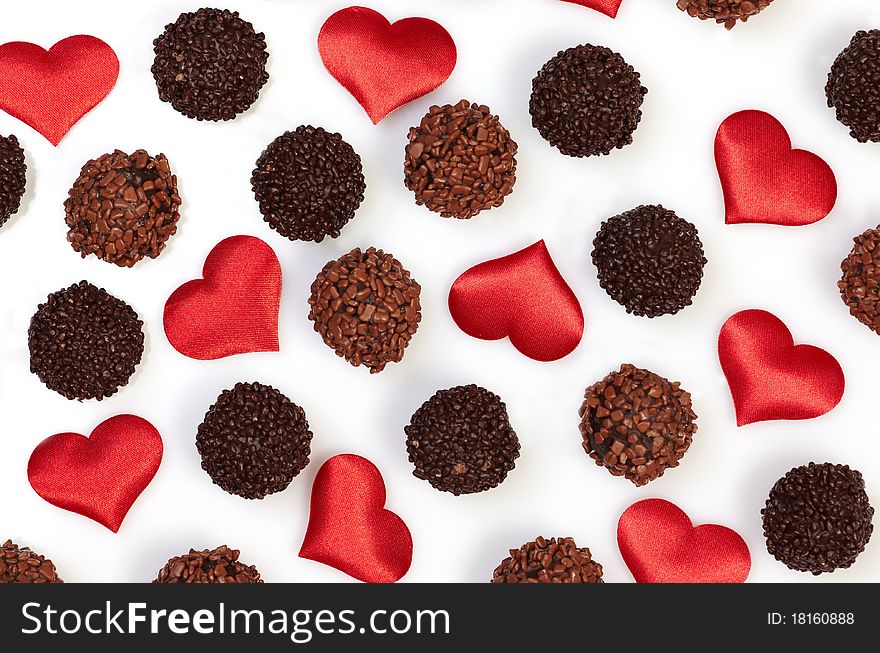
(697,74)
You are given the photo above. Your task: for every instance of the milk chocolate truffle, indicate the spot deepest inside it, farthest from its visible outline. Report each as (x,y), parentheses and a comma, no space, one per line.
(123,207)
(461,441)
(218,566)
(13,177)
(637,424)
(723,12)
(587,101)
(860,284)
(84,342)
(649,260)
(852,86)
(460,160)
(210,64)
(549,561)
(818,518)
(365,306)
(254,441)
(23,566)
(309,183)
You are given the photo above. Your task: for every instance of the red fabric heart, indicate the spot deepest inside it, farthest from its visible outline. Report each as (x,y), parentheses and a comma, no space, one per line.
(770,377)
(385,66)
(349,527)
(521,296)
(51,91)
(764,180)
(100,476)
(607,7)
(233,309)
(660,544)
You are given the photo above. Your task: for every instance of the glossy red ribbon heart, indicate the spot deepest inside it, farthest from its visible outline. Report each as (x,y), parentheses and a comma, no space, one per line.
(385,66)
(522,297)
(51,90)
(349,527)
(100,476)
(660,544)
(607,7)
(770,377)
(764,180)
(233,309)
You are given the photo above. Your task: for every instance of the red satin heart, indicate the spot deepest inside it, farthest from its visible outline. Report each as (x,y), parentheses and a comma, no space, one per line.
(660,544)
(385,66)
(233,309)
(522,297)
(764,180)
(349,527)
(51,91)
(607,7)
(770,377)
(100,476)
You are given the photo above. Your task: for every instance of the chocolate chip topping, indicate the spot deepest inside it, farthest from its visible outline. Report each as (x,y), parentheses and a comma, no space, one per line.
(13,177)
(723,12)
(218,566)
(852,86)
(549,561)
(21,565)
(860,284)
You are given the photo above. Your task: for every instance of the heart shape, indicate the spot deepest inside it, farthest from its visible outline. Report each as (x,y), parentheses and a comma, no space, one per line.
(349,527)
(100,476)
(522,297)
(764,180)
(385,66)
(660,544)
(233,309)
(51,90)
(607,7)
(770,377)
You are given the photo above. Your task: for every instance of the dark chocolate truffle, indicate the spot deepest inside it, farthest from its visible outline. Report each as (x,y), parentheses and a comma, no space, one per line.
(13,177)
(21,565)
(637,424)
(649,260)
(460,160)
(254,441)
(210,64)
(818,518)
(586,101)
(84,342)
(852,86)
(366,307)
(461,441)
(549,561)
(723,12)
(123,207)
(860,284)
(309,183)
(218,566)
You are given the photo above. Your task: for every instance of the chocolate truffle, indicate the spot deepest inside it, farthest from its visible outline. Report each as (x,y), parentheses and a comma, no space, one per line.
(860,284)
(649,260)
(461,441)
(723,12)
(21,565)
(210,64)
(309,183)
(84,342)
(460,160)
(13,177)
(254,441)
(218,566)
(123,207)
(587,101)
(366,307)
(852,86)
(637,424)
(549,561)
(818,518)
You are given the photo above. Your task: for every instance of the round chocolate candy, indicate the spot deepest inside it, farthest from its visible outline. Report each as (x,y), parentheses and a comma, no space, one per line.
(218,566)
(13,177)
(549,561)
(860,284)
(23,566)
(852,86)
(723,12)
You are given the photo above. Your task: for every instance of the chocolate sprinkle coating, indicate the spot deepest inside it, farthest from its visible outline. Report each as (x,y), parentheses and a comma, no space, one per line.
(123,207)
(460,160)
(649,260)
(210,64)
(637,424)
(23,566)
(254,441)
(366,307)
(461,441)
(860,284)
(723,12)
(13,177)
(84,342)
(549,561)
(587,101)
(818,518)
(218,566)
(852,86)
(309,183)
